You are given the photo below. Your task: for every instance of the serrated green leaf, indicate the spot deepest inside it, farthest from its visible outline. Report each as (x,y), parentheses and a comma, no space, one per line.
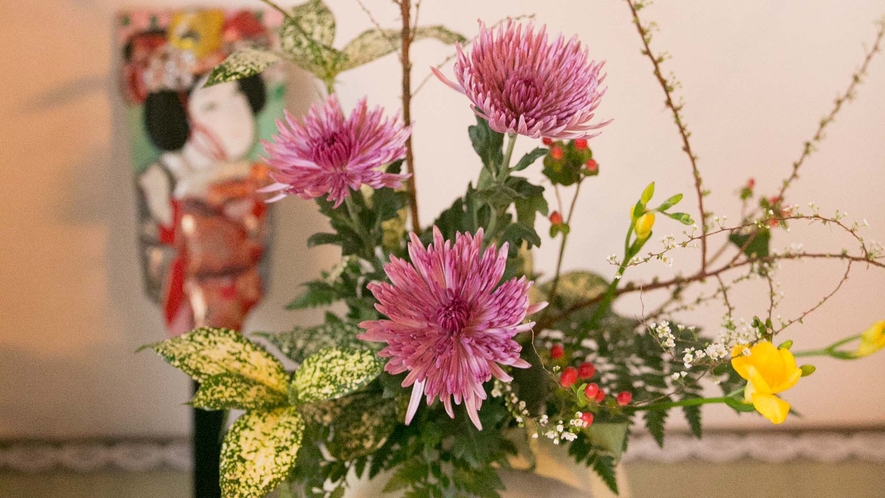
(374,43)
(301,342)
(654,422)
(518,232)
(529,159)
(241,64)
(259,451)
(233,391)
(332,373)
(693,416)
(604,466)
(207,352)
(487,143)
(317,294)
(318,239)
(360,423)
(757,247)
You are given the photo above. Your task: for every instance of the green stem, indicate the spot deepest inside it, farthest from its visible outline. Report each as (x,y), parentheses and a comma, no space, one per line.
(505,166)
(830,350)
(684,402)
(353,212)
(558,272)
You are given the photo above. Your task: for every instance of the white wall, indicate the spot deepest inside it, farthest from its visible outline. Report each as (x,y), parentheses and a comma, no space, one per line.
(757,76)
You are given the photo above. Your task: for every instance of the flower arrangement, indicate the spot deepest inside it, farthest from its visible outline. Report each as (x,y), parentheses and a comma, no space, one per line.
(453,312)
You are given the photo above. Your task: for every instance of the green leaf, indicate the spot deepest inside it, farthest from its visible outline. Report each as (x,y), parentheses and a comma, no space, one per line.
(609,437)
(757,247)
(529,159)
(241,64)
(672,201)
(518,232)
(318,239)
(739,406)
(332,373)
(233,391)
(604,466)
(207,352)
(375,43)
(317,294)
(683,218)
(654,422)
(301,342)
(360,423)
(306,37)
(259,451)
(487,143)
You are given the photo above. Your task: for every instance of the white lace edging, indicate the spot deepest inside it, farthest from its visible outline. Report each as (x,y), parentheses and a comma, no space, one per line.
(141,456)
(133,456)
(815,446)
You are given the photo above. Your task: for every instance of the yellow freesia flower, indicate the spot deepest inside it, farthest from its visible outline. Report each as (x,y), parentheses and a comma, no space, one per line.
(644,225)
(768,371)
(872,340)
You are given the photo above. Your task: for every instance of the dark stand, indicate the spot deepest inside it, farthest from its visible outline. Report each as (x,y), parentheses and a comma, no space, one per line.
(207,451)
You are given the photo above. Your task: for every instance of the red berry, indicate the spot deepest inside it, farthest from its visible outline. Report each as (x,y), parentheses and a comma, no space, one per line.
(587,418)
(556,218)
(592,165)
(557,351)
(591,391)
(624,398)
(547,141)
(581,144)
(569,377)
(751,184)
(586,370)
(600,396)
(556,153)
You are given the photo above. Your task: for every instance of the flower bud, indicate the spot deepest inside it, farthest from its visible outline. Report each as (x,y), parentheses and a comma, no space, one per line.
(547,141)
(580,143)
(556,218)
(557,351)
(587,418)
(586,370)
(872,340)
(624,398)
(568,377)
(786,345)
(807,370)
(556,153)
(592,165)
(600,396)
(591,391)
(644,225)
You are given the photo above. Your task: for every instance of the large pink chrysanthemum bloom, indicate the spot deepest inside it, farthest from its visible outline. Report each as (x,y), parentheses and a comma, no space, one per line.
(330,155)
(520,83)
(450,324)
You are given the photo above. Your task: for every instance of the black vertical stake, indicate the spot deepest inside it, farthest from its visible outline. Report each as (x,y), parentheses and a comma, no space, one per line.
(207,451)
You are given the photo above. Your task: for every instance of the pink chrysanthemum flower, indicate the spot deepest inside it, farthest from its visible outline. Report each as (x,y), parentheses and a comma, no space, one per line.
(330,155)
(450,324)
(520,83)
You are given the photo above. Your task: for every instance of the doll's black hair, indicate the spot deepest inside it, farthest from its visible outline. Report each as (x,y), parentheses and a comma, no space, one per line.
(165,116)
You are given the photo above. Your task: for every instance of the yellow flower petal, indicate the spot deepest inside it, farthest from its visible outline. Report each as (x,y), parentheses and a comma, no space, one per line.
(771,407)
(872,340)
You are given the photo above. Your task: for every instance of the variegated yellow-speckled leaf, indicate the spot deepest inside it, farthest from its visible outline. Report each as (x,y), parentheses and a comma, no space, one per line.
(242,64)
(233,391)
(306,38)
(374,43)
(259,451)
(332,373)
(361,422)
(206,352)
(301,342)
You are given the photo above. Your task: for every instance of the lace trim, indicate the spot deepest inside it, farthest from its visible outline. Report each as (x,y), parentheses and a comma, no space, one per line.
(140,456)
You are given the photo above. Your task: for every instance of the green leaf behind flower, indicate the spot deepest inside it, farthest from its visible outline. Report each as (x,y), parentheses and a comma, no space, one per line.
(301,342)
(375,43)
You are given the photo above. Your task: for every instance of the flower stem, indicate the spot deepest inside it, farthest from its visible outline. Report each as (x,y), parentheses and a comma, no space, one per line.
(830,350)
(508,154)
(558,272)
(684,402)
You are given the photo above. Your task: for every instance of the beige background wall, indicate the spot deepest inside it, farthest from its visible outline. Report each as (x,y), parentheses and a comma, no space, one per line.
(757,76)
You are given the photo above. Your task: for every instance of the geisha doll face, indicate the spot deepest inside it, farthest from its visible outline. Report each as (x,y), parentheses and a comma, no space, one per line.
(222,122)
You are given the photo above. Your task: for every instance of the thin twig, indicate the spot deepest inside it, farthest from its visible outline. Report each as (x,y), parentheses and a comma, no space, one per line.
(406,38)
(656,61)
(377,25)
